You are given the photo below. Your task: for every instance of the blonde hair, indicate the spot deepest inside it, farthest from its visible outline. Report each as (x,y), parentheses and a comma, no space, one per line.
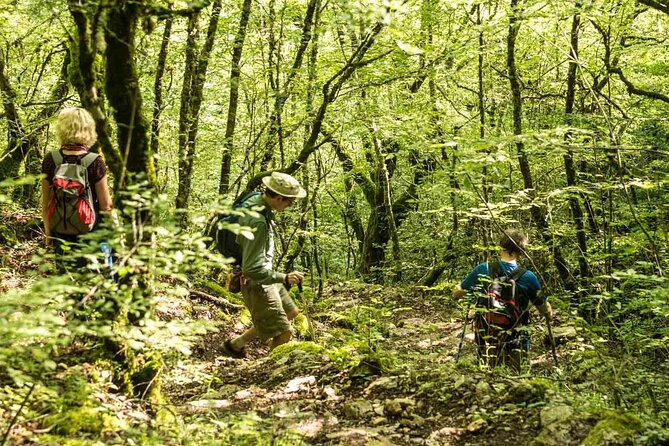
(76,125)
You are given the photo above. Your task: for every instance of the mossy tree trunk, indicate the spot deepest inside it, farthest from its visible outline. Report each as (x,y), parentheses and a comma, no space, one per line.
(158,90)
(23,141)
(84,74)
(569,167)
(123,92)
(191,101)
(282,92)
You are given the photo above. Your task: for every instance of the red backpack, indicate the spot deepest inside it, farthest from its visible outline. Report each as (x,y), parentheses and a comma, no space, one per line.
(500,302)
(71,209)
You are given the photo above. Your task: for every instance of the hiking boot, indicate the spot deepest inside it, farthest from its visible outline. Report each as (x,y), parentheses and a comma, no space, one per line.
(231,351)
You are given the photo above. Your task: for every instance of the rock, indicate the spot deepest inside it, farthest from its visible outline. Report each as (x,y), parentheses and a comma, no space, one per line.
(398,405)
(562,335)
(483,389)
(615,429)
(383,383)
(358,409)
(556,414)
(477,425)
(413,422)
(446,436)
(392,407)
(377,421)
(526,392)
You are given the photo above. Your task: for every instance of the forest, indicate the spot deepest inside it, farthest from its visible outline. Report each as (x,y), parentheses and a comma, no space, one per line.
(421,130)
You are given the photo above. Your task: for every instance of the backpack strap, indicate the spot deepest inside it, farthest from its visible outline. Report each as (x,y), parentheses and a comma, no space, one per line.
(57,156)
(517,273)
(88,159)
(495,270)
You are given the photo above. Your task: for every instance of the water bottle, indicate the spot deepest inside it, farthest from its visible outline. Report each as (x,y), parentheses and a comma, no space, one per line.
(109,261)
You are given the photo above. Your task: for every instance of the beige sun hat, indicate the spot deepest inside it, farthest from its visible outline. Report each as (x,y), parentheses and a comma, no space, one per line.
(284,185)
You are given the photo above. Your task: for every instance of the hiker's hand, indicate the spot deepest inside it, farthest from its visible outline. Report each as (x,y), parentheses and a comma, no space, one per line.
(547,310)
(294,278)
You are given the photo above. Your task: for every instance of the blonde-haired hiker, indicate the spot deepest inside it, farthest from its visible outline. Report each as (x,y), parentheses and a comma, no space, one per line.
(75,189)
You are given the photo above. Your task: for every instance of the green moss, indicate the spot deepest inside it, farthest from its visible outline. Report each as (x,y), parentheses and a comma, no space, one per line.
(215,288)
(301,325)
(56,440)
(77,420)
(308,347)
(245,317)
(614,429)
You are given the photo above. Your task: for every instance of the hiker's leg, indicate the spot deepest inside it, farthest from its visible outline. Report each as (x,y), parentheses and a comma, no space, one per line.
(269,318)
(519,347)
(288,304)
(281,339)
(240,341)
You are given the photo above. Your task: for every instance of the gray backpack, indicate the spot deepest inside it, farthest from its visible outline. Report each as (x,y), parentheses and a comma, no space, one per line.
(71,209)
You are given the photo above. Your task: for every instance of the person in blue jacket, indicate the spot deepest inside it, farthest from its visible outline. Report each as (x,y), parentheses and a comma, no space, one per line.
(508,345)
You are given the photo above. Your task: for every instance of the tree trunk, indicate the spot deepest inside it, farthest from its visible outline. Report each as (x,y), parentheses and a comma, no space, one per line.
(84,54)
(536,211)
(570,170)
(187,141)
(282,93)
(17,144)
(123,92)
(235,74)
(158,89)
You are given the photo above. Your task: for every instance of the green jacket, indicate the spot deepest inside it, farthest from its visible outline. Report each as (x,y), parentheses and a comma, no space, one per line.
(258,253)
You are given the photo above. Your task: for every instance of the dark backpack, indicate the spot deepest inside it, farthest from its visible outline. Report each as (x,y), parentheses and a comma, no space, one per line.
(71,209)
(225,240)
(500,304)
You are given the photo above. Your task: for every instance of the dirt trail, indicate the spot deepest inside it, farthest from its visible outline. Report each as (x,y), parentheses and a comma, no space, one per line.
(406,389)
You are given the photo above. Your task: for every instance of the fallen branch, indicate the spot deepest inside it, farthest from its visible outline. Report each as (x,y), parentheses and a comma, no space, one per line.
(217,300)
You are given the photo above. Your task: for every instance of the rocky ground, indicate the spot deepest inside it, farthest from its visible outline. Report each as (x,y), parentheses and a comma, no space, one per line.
(406,389)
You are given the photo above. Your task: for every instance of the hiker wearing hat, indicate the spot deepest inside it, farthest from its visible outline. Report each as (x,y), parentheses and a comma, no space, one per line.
(264,291)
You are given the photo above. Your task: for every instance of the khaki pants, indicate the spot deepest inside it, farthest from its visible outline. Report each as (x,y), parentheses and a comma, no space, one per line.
(268,305)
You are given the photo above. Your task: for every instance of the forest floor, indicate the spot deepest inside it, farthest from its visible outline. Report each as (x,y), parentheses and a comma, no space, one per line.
(406,389)
(380,370)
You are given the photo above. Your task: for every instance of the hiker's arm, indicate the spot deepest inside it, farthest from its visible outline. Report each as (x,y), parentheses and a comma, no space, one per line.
(46,197)
(253,257)
(102,191)
(105,201)
(470,281)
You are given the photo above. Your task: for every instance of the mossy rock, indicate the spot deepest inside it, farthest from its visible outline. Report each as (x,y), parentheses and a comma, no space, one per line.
(527,392)
(614,429)
(562,425)
(303,347)
(335,319)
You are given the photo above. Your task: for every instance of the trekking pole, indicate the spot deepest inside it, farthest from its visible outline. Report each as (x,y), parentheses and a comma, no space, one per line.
(550,335)
(464,329)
